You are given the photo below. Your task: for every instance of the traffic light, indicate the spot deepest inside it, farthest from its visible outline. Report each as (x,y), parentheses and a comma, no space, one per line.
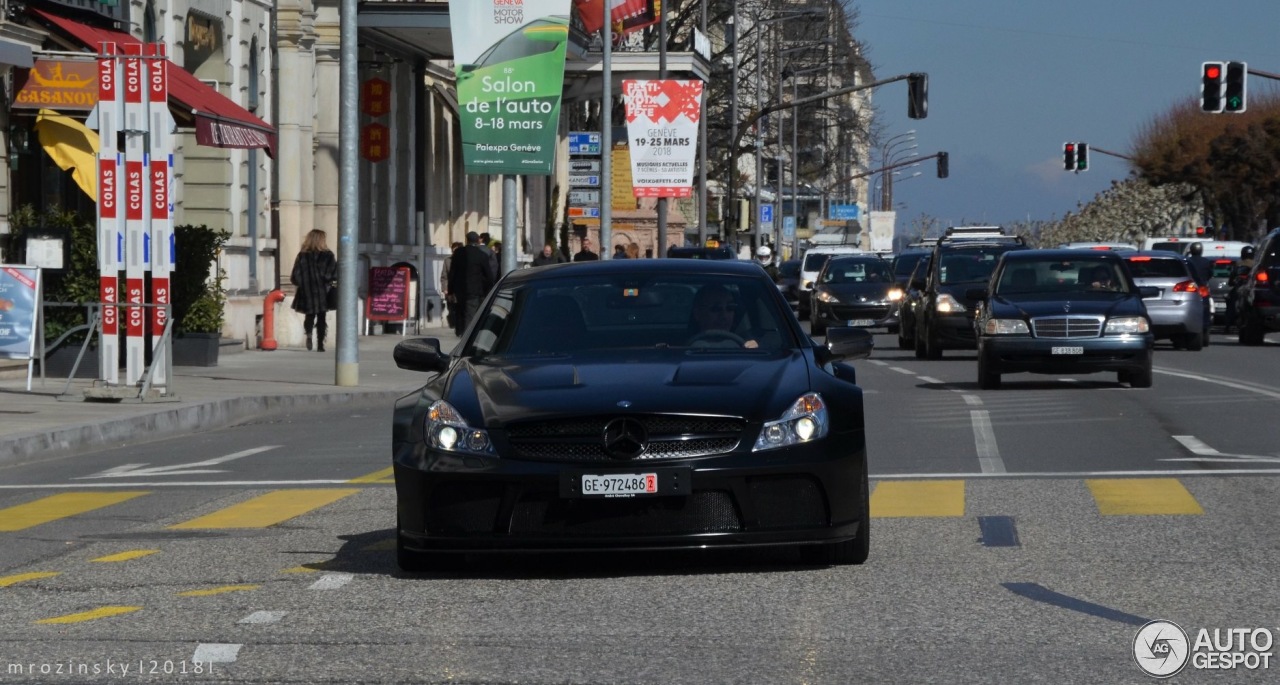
(1069,156)
(1082,156)
(1235,92)
(943,165)
(917,95)
(1211,81)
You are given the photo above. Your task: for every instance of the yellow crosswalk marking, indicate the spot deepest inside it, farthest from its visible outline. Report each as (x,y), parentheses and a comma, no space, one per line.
(912,499)
(125,556)
(6,581)
(218,590)
(383,476)
(269,509)
(1142,497)
(101,612)
(56,507)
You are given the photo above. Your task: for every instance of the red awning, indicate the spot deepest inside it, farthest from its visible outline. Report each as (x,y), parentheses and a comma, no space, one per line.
(218,121)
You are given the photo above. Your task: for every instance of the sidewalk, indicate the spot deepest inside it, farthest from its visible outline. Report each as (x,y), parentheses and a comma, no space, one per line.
(243,385)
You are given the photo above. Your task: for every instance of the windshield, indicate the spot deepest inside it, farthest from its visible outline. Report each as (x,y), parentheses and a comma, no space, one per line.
(841,271)
(1059,276)
(969,265)
(633,311)
(904,264)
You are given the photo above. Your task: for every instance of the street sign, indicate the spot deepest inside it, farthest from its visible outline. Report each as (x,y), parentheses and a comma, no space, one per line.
(584,143)
(584,166)
(584,212)
(766,214)
(842,212)
(584,181)
(788,227)
(584,198)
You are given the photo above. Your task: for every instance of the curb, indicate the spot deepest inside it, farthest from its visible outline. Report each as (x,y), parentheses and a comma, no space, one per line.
(111,433)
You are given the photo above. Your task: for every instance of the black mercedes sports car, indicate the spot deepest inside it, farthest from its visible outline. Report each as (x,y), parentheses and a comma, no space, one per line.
(638,404)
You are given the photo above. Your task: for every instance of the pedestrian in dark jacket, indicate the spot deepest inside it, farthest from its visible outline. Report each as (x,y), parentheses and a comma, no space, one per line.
(549,255)
(471,276)
(314,271)
(585,254)
(451,304)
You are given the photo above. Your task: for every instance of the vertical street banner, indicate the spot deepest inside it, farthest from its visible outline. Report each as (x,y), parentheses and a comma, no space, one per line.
(19,311)
(509,57)
(135,267)
(110,216)
(662,132)
(159,240)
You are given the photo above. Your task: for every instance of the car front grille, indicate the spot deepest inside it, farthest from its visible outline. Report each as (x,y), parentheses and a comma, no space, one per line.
(1067,327)
(582,439)
(705,511)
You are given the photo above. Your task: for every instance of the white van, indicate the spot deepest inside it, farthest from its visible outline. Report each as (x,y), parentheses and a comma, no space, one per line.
(1213,249)
(812,262)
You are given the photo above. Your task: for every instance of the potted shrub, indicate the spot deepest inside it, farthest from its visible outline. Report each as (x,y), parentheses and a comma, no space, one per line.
(198,299)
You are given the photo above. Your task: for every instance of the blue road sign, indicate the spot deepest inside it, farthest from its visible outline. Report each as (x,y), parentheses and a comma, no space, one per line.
(842,212)
(788,227)
(766,214)
(584,143)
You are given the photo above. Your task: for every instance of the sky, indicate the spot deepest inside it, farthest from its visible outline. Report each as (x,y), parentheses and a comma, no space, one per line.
(1011,80)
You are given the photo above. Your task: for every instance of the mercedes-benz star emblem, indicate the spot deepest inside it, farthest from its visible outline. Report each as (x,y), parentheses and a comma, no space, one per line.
(1066,307)
(625,438)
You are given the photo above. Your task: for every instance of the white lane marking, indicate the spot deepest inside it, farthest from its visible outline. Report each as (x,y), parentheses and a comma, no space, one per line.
(133,470)
(878,362)
(263,617)
(1080,474)
(899,369)
(216,652)
(1247,387)
(331,581)
(188,483)
(985,440)
(972,400)
(1068,380)
(1209,454)
(931,379)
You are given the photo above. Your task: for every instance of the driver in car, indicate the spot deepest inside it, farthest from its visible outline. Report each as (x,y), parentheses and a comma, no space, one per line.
(714,315)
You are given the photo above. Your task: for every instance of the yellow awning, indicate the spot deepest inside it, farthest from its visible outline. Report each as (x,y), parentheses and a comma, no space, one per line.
(72,146)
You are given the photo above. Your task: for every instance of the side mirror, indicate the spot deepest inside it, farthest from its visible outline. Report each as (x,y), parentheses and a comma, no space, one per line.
(976,294)
(420,354)
(1148,291)
(845,342)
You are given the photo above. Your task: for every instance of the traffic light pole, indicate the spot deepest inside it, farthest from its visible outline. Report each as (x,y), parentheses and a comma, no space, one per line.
(1108,152)
(871,172)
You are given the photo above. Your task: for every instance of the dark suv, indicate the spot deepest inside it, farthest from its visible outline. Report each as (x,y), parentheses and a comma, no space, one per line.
(961,262)
(1258,298)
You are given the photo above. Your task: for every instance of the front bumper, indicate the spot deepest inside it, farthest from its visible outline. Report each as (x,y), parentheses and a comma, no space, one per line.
(954,331)
(1024,354)
(803,494)
(839,314)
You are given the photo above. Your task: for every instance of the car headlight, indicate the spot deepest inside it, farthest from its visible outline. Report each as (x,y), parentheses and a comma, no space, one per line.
(895,294)
(447,430)
(1128,324)
(825,296)
(1006,327)
(805,421)
(946,304)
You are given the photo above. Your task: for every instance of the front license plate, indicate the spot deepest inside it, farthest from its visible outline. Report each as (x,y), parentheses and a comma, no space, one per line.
(862,322)
(1067,350)
(658,482)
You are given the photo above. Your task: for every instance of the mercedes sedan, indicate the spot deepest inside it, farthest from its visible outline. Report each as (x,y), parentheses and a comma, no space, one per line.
(632,405)
(1063,312)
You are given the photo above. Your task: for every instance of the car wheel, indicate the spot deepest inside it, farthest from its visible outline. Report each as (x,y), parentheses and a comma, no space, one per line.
(1122,376)
(904,343)
(1193,341)
(931,348)
(892,330)
(1204,338)
(816,327)
(422,562)
(987,379)
(1250,332)
(918,344)
(1140,378)
(845,552)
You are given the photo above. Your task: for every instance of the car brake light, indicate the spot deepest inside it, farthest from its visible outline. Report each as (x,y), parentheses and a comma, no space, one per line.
(1186,287)
(1100,247)
(1223,262)
(1139,259)
(1204,291)
(1262,277)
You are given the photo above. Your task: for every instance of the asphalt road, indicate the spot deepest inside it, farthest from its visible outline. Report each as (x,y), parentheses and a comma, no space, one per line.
(1019,535)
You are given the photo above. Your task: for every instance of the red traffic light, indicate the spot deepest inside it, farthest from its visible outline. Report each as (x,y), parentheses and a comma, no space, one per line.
(1212,71)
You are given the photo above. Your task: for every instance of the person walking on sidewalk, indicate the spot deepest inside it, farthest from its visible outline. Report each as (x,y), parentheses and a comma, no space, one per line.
(585,254)
(471,276)
(549,255)
(314,271)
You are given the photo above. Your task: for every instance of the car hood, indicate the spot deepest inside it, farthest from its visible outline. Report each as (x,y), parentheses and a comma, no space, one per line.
(754,386)
(872,292)
(1030,306)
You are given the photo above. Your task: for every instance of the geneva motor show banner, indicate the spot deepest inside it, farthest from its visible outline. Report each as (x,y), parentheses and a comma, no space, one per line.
(509,57)
(662,131)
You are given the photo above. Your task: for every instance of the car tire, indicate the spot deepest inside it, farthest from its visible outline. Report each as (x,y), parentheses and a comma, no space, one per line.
(1193,341)
(918,344)
(892,330)
(1140,378)
(422,562)
(904,343)
(816,327)
(1122,376)
(987,379)
(931,348)
(1251,333)
(845,552)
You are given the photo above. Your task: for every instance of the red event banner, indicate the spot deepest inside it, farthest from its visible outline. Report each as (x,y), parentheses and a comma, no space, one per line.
(662,133)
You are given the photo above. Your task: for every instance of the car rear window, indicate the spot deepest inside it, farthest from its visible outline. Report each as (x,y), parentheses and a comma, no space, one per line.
(1170,247)
(814,261)
(1155,267)
(904,264)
